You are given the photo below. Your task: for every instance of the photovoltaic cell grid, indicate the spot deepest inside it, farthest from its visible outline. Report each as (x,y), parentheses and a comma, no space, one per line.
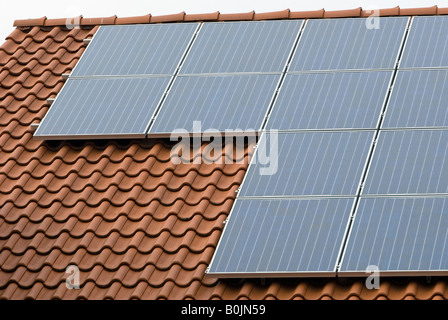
(260,46)
(344,44)
(136,50)
(409,162)
(219,103)
(418,100)
(330,100)
(400,236)
(427,44)
(277,238)
(103,107)
(309,164)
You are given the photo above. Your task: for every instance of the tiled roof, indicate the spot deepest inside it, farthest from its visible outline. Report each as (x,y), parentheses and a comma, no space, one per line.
(137,225)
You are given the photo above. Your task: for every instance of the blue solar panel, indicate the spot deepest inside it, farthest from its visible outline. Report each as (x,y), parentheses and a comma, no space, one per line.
(409,162)
(248,46)
(136,50)
(330,100)
(311,163)
(278,238)
(399,235)
(419,100)
(103,108)
(342,44)
(427,44)
(218,102)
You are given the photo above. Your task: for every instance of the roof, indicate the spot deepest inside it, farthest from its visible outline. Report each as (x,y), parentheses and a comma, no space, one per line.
(138,226)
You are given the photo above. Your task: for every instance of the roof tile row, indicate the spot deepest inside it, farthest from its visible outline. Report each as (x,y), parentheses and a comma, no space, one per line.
(217,16)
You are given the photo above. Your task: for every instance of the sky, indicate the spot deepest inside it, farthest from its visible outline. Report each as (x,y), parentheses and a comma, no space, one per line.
(25,9)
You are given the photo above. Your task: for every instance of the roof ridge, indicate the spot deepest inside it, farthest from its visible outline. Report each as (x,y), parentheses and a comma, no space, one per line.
(217,16)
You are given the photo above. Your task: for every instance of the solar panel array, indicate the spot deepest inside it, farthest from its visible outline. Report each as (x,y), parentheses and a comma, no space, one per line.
(117,94)
(293,220)
(351,168)
(229,73)
(361,177)
(401,222)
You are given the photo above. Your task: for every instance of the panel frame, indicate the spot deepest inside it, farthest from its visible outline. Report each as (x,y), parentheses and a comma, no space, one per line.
(273,274)
(393,89)
(61,137)
(364,174)
(389,273)
(368,173)
(405,47)
(397,60)
(165,135)
(289,57)
(382,113)
(182,57)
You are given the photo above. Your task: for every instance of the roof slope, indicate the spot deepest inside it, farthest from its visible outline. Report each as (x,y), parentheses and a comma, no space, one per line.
(138,226)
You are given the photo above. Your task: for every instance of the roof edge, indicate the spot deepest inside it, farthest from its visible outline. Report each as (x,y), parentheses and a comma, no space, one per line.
(217,16)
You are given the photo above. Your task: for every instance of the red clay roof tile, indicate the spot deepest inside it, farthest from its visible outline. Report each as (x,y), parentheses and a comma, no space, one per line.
(237,16)
(62,21)
(307,14)
(97,21)
(418,11)
(168,18)
(202,17)
(272,15)
(382,12)
(343,13)
(30,22)
(134,20)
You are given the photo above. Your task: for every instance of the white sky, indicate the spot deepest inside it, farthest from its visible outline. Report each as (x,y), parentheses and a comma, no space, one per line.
(24,9)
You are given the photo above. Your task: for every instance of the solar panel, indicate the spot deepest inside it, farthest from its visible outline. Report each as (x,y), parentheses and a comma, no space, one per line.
(279,238)
(418,100)
(400,236)
(427,44)
(136,50)
(343,44)
(330,100)
(103,108)
(409,162)
(247,46)
(311,163)
(218,102)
